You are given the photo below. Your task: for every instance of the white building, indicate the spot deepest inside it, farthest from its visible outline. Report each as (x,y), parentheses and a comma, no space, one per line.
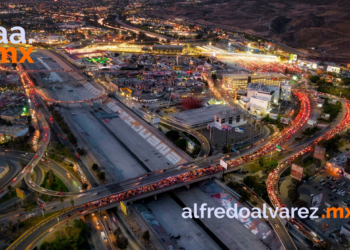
(286,91)
(261,103)
(259,89)
(228,119)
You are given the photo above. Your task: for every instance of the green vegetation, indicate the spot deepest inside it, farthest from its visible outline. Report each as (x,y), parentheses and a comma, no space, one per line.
(76,238)
(314,79)
(277,122)
(121,241)
(239,189)
(332,145)
(60,150)
(52,182)
(63,125)
(253,182)
(100,175)
(293,193)
(332,109)
(311,131)
(11,194)
(181,143)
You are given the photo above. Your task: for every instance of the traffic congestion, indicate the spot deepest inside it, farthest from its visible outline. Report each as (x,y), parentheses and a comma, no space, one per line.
(273,177)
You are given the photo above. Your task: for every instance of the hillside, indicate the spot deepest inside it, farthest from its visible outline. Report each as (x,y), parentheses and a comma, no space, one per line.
(322,24)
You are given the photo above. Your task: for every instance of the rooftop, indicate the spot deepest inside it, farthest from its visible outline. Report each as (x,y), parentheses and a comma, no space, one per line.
(200,116)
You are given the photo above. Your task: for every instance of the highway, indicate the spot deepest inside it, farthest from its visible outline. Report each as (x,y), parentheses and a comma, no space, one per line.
(273,178)
(156,182)
(150,184)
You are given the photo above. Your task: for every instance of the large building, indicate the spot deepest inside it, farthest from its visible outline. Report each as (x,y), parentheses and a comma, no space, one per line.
(240,81)
(228,119)
(167,49)
(286,91)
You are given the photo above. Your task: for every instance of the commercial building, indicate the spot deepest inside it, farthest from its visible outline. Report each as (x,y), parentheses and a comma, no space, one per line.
(199,117)
(259,89)
(339,163)
(180,59)
(240,81)
(167,49)
(6,132)
(226,120)
(286,91)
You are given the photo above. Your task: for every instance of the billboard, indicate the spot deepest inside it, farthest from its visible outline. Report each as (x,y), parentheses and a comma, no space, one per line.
(293,57)
(41,204)
(223,164)
(316,200)
(319,152)
(297,172)
(239,130)
(20,193)
(311,122)
(123,207)
(333,69)
(273,116)
(285,120)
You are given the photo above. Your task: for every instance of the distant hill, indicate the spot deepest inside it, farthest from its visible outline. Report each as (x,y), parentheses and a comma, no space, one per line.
(322,24)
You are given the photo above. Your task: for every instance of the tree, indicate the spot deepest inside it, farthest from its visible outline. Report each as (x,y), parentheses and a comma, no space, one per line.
(71,138)
(301,203)
(29,119)
(72,202)
(101,176)
(181,143)
(224,149)
(10,225)
(94,167)
(84,186)
(62,201)
(122,242)
(145,235)
(81,151)
(261,161)
(172,135)
(293,195)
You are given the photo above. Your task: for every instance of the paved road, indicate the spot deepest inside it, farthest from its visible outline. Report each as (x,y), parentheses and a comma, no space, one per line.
(95,231)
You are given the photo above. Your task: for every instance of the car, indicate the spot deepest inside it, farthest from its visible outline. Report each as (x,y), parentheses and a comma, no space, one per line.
(93,214)
(14,179)
(51,229)
(69,215)
(335,205)
(1,191)
(115,221)
(106,120)
(97,223)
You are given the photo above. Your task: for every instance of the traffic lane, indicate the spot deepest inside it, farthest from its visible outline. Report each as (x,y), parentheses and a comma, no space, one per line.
(10,175)
(277,225)
(72,183)
(95,232)
(31,237)
(133,241)
(39,175)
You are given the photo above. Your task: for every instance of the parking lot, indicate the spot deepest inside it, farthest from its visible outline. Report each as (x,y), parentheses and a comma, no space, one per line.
(335,189)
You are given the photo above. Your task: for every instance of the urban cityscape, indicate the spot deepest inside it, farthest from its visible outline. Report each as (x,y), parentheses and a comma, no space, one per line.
(158,124)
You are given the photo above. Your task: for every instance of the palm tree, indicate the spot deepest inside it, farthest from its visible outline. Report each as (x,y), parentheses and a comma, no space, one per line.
(2,226)
(72,202)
